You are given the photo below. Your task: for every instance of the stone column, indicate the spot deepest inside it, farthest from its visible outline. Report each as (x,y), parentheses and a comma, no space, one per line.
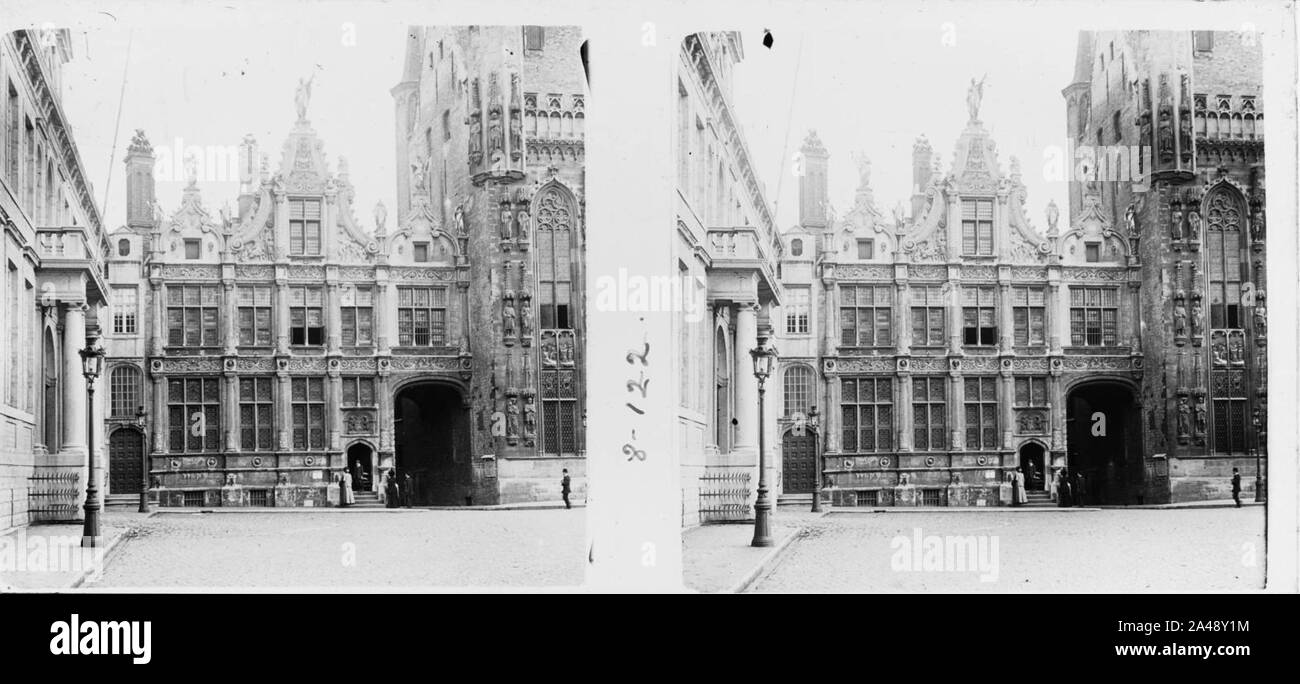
(230,411)
(381,303)
(74,383)
(230,317)
(746,384)
(954,317)
(956,412)
(159,323)
(333,409)
(1006,321)
(285,406)
(281,316)
(903,413)
(1056,314)
(333,318)
(1006,406)
(160,415)
(903,318)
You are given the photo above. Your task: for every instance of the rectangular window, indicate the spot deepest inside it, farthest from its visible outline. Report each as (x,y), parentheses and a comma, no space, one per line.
(929,413)
(421,316)
(928,315)
(125,303)
(193,248)
(534,37)
(255,326)
(304,227)
(796,311)
(1029,314)
(358,392)
(256,414)
(307,316)
(357,315)
(125,392)
(192,315)
(866,249)
(560,425)
(867,410)
(308,406)
(1094,316)
(979,315)
(981,413)
(1031,391)
(866,315)
(193,414)
(1228,392)
(977,227)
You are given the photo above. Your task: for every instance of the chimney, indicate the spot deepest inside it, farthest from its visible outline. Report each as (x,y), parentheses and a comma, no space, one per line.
(139,183)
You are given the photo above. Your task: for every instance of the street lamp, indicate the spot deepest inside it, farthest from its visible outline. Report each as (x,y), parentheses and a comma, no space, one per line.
(817,458)
(1258,421)
(92,363)
(764,356)
(141,421)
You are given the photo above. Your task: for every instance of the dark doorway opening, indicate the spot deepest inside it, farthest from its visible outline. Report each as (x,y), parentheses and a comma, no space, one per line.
(431,429)
(1032,461)
(125,450)
(360,467)
(1104,457)
(798,457)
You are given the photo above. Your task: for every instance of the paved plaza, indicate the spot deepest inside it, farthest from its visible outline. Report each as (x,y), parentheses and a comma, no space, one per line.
(1109,550)
(391,549)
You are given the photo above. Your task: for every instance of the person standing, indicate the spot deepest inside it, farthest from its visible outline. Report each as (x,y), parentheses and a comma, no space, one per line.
(1063,497)
(391,493)
(564,488)
(1018,483)
(1236,487)
(407,487)
(1081,489)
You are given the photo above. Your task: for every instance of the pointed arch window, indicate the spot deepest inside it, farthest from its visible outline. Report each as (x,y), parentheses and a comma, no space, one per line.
(1227,270)
(555,219)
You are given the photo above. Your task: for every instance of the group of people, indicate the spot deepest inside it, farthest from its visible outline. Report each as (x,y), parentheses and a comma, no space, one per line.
(395,495)
(1071,488)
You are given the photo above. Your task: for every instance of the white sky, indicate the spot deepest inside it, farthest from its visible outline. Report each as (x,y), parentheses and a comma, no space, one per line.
(211,84)
(878,91)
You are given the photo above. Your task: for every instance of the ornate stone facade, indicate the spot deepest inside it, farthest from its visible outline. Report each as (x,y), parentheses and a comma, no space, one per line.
(286,342)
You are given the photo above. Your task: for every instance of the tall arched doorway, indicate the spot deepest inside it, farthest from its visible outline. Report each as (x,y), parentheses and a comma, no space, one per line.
(431,431)
(1033,462)
(1103,442)
(125,452)
(361,467)
(799,462)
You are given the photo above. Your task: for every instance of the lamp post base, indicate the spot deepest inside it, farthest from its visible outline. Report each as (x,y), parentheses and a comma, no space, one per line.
(762,522)
(89,542)
(1261,494)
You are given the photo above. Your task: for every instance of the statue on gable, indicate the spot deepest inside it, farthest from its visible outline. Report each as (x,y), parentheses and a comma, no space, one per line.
(974,94)
(381,216)
(191,169)
(460,221)
(864,169)
(302,96)
(1053,215)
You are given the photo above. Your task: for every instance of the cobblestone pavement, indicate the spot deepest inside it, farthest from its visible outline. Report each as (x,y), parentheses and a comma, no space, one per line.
(410,549)
(1187,550)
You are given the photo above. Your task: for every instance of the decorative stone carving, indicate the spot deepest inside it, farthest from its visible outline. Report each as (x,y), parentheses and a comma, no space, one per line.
(512,417)
(508,317)
(1180,319)
(1184,420)
(1198,425)
(530,418)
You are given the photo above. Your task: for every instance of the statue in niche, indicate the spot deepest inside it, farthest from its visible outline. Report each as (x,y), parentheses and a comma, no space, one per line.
(460,221)
(508,316)
(1130,219)
(1180,319)
(1185,133)
(475,138)
(516,135)
(1236,350)
(512,416)
(302,96)
(1165,131)
(526,320)
(1196,316)
(521,221)
(1257,224)
(530,419)
(1260,315)
(1193,225)
(419,184)
(494,134)
(1184,418)
(1199,423)
(507,221)
(1176,217)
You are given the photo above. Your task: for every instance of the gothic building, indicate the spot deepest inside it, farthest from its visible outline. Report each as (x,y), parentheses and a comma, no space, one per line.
(280,343)
(726,251)
(948,344)
(54,288)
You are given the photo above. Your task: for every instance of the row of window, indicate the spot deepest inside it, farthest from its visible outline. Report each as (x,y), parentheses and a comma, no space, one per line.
(867,411)
(194,312)
(867,315)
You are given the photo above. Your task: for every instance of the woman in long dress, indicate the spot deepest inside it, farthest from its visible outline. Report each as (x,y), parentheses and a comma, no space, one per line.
(391,492)
(1019,484)
(1063,494)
